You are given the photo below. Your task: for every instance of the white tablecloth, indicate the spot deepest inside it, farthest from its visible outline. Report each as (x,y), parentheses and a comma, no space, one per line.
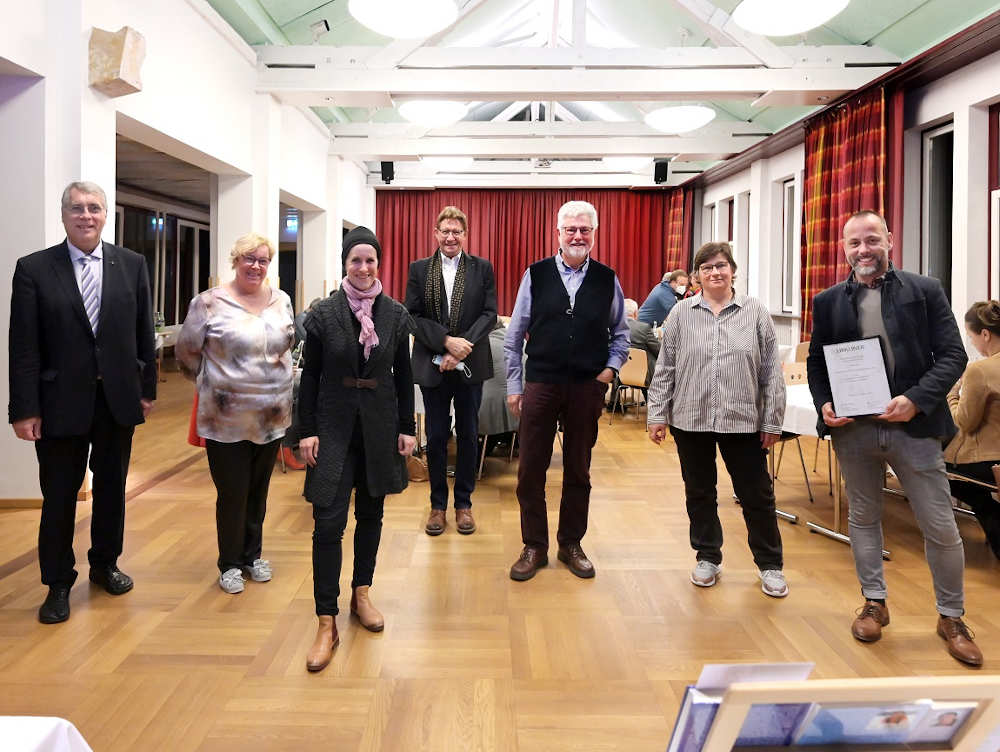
(40,734)
(800,415)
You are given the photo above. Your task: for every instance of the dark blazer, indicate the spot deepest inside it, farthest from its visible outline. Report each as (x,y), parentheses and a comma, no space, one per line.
(641,335)
(55,359)
(926,344)
(476,320)
(329,409)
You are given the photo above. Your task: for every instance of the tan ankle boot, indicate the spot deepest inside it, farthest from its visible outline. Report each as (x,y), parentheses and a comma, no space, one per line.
(369,616)
(321,652)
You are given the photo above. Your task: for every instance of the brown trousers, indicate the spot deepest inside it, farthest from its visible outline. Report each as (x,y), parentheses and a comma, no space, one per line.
(577,406)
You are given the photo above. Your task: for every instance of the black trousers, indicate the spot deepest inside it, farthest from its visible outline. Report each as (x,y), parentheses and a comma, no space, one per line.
(746,462)
(979,499)
(330,522)
(62,463)
(437,403)
(241,471)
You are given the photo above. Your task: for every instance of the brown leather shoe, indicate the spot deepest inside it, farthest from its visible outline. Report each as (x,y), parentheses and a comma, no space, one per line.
(872,616)
(435,523)
(960,638)
(529,562)
(321,652)
(464,522)
(361,606)
(572,556)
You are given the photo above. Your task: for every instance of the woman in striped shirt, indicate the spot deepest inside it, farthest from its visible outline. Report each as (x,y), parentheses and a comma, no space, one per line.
(718,382)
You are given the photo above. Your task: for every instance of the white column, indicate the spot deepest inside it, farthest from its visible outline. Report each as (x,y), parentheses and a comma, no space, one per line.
(313,235)
(267,173)
(232,216)
(757,256)
(970,209)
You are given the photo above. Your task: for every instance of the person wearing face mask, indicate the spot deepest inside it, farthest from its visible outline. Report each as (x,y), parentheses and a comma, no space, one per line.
(718,386)
(924,357)
(661,299)
(452,298)
(236,343)
(356,415)
(571,309)
(974,402)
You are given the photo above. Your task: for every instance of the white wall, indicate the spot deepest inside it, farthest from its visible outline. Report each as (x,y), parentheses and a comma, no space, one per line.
(963,97)
(758,251)
(197,104)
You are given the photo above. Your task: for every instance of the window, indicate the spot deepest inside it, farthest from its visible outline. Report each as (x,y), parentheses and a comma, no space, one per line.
(936,201)
(789,246)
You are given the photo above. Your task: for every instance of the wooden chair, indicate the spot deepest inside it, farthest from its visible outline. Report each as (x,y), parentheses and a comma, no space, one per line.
(631,376)
(801,352)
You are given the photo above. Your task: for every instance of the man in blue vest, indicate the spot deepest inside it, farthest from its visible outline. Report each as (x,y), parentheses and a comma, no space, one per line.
(571,310)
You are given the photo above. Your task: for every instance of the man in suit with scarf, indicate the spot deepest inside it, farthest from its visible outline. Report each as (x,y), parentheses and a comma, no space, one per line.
(452,299)
(82,376)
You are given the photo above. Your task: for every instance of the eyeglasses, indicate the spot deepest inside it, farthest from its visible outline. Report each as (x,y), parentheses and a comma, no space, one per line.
(571,231)
(255,261)
(78,210)
(709,268)
(452,233)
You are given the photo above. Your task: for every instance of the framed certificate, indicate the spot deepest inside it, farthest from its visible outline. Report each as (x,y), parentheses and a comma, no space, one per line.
(858,378)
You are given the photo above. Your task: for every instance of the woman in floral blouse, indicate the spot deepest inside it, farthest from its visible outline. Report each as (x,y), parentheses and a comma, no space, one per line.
(236,344)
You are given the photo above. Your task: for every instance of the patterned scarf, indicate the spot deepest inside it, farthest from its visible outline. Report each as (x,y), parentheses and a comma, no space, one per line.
(434,294)
(360,302)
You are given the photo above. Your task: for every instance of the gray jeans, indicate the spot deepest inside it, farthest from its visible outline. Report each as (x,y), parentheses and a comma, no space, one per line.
(862,447)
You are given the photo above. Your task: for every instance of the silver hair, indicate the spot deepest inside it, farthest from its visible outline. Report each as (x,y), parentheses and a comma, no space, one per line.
(575,209)
(631,307)
(84,186)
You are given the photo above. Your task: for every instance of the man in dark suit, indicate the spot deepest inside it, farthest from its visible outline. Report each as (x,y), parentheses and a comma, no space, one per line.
(453,301)
(82,376)
(924,357)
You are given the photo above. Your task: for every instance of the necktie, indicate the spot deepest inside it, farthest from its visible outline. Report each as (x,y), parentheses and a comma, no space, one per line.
(91,295)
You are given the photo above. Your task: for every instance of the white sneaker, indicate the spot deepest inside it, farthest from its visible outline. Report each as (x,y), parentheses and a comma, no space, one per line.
(231,581)
(772,582)
(259,571)
(705,574)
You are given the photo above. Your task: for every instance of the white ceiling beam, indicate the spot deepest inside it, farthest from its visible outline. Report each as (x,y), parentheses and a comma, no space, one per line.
(699,148)
(527,166)
(503,117)
(721,29)
(559,110)
(579,24)
(399,49)
(527,129)
(538,179)
(824,56)
(344,87)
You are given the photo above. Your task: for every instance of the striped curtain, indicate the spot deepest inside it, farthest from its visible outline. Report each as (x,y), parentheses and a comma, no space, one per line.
(845,172)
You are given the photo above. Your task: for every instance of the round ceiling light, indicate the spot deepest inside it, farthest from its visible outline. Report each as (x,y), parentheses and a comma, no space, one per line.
(782,18)
(404,19)
(433,113)
(626,164)
(447,164)
(680,119)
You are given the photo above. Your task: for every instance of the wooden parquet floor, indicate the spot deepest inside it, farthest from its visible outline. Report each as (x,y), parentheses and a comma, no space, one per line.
(469,660)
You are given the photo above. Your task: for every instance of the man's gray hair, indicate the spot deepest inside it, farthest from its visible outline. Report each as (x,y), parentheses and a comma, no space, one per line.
(631,307)
(84,186)
(575,209)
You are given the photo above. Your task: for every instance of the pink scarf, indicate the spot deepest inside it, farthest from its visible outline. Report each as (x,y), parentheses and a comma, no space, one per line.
(360,302)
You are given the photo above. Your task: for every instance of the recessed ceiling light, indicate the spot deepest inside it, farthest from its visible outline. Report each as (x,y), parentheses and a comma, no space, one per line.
(782,18)
(433,113)
(626,164)
(404,19)
(447,164)
(680,119)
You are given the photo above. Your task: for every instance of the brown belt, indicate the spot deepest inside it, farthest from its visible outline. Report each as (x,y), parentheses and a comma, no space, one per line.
(352,382)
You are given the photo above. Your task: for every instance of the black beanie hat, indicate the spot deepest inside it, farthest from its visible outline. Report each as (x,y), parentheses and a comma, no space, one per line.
(360,236)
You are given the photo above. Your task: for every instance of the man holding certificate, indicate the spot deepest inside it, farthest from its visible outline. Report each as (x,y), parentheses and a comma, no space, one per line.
(885,350)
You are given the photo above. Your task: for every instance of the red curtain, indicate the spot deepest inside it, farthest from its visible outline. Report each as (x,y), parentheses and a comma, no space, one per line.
(845,172)
(641,234)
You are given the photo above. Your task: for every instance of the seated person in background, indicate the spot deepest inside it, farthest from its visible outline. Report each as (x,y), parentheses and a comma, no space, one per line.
(496,422)
(641,335)
(678,281)
(660,300)
(300,321)
(975,407)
